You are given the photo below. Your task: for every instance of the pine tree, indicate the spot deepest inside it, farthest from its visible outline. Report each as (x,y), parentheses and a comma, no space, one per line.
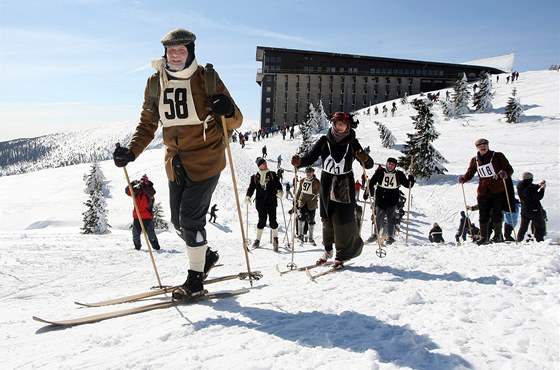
(306,129)
(427,160)
(514,109)
(482,99)
(159,218)
(323,122)
(387,138)
(95,217)
(461,97)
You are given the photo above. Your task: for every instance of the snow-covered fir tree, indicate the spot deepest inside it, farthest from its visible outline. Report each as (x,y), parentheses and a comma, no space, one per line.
(159,217)
(404,100)
(514,109)
(95,217)
(307,128)
(461,97)
(482,99)
(387,138)
(321,118)
(419,149)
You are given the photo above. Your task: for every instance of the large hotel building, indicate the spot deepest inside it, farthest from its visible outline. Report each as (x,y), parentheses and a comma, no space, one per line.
(291,79)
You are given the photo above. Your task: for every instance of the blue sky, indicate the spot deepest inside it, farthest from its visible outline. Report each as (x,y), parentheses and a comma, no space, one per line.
(74,64)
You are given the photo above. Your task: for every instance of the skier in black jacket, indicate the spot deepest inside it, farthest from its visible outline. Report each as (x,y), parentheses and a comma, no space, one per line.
(268,188)
(384,186)
(337,150)
(530,196)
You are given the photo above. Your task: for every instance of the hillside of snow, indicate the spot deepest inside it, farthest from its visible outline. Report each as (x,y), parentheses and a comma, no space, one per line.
(423,306)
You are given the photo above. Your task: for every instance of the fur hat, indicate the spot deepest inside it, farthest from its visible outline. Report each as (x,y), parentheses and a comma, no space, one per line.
(260,161)
(179,36)
(480,142)
(526,176)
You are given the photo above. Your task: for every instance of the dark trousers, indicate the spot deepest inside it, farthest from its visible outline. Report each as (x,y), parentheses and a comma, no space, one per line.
(267,211)
(189,201)
(345,237)
(537,218)
(490,209)
(137,231)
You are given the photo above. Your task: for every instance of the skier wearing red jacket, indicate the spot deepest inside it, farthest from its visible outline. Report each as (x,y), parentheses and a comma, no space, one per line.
(144,194)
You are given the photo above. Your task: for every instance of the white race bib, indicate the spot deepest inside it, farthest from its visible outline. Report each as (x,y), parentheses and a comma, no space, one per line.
(389,181)
(176,104)
(486,170)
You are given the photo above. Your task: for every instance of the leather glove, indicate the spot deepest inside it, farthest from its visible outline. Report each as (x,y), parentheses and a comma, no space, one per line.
(221,104)
(461,179)
(279,194)
(380,168)
(502,174)
(362,156)
(365,196)
(248,200)
(122,156)
(411,180)
(296,161)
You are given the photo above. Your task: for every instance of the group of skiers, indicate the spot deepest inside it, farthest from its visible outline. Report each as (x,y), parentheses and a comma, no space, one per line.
(196,110)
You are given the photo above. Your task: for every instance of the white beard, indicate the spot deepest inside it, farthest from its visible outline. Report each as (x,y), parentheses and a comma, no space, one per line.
(175,67)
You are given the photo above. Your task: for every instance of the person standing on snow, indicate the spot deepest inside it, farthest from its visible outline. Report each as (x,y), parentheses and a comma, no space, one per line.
(268,188)
(307,202)
(463,229)
(384,187)
(213,215)
(144,195)
(175,96)
(492,168)
(530,196)
(337,150)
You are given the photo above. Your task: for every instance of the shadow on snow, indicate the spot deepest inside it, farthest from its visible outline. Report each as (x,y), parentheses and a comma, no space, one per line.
(349,331)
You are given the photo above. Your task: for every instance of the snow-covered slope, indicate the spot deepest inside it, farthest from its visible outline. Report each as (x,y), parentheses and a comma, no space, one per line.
(424,306)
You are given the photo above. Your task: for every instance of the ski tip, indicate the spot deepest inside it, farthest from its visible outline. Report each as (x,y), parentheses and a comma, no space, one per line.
(308,273)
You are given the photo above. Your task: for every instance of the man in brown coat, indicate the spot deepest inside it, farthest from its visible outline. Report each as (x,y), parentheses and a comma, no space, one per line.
(492,168)
(175,96)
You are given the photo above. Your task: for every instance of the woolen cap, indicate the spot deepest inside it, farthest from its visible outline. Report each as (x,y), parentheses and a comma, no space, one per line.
(260,161)
(481,142)
(526,176)
(392,160)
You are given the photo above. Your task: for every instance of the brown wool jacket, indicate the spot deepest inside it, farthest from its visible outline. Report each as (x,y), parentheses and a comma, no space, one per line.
(202,153)
(489,184)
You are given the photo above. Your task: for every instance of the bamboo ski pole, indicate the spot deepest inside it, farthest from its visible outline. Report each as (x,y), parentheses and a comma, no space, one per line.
(410,170)
(247,221)
(292,265)
(510,212)
(284,214)
(210,80)
(131,190)
(466,213)
(239,213)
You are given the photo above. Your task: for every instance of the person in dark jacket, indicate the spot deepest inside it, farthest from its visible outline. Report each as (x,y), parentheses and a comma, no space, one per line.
(463,229)
(268,188)
(144,195)
(530,196)
(213,215)
(436,234)
(337,203)
(384,186)
(492,168)
(175,97)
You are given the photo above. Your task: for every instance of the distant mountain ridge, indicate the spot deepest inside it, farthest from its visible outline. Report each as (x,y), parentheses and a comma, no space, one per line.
(64,149)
